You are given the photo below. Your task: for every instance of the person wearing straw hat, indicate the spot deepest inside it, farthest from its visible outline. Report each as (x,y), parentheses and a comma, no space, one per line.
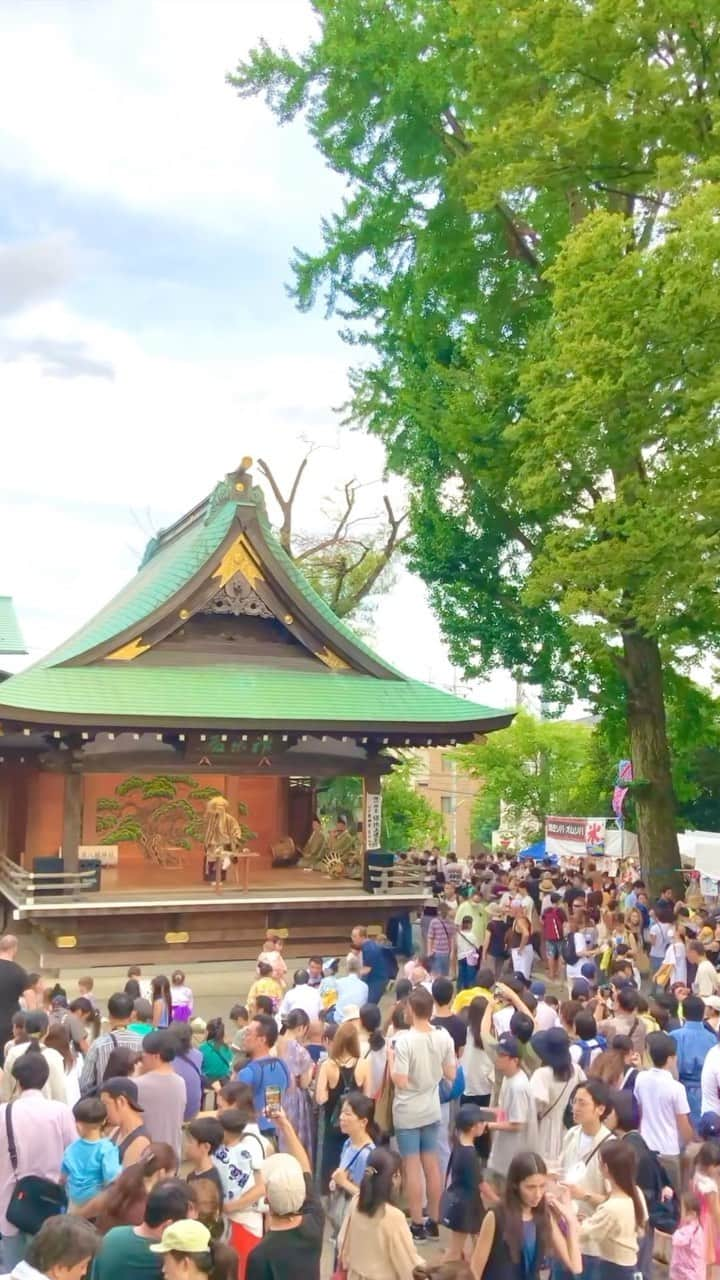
(190,1253)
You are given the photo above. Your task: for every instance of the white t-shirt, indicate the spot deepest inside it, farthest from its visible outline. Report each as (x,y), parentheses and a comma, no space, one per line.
(545,1016)
(707,979)
(516,1100)
(478,1069)
(302,997)
(662,1099)
(660,936)
(675,955)
(502,1020)
(422,1056)
(710,1081)
(574,970)
(237,1166)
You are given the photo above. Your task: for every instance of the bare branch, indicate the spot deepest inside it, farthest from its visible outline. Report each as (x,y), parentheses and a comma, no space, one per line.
(351,489)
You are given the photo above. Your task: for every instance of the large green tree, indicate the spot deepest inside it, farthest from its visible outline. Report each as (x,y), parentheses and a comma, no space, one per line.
(535,768)
(529,248)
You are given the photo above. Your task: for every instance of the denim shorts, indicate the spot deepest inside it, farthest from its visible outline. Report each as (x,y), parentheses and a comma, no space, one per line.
(440,965)
(413,1142)
(552,949)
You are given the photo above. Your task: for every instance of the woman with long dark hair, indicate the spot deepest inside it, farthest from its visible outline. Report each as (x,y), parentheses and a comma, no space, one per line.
(161,1001)
(125,1200)
(610,1237)
(123,1061)
(376,1052)
(342,1071)
(528,1226)
(375,1241)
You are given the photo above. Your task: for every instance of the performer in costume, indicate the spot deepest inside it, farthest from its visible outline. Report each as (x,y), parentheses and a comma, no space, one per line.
(222,835)
(315,847)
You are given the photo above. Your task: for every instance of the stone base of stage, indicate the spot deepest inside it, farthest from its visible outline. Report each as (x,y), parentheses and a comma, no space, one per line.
(175,927)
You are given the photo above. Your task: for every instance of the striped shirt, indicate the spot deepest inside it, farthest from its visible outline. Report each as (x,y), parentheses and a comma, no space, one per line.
(440,937)
(98,1056)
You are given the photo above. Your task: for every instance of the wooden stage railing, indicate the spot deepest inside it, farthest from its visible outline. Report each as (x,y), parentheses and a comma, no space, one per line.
(24,887)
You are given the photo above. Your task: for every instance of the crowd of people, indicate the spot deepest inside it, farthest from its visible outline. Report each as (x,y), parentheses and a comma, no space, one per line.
(528,1074)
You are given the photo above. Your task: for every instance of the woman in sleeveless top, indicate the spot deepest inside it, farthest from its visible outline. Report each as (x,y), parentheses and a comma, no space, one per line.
(124,1202)
(341,1072)
(161,1002)
(525,1229)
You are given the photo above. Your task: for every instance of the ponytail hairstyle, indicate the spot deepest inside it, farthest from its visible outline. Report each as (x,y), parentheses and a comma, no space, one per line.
(36,1025)
(376,1184)
(371,1021)
(127,1189)
(217,1262)
(364,1108)
(620,1161)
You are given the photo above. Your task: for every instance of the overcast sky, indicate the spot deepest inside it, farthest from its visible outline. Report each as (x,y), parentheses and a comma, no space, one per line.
(146,339)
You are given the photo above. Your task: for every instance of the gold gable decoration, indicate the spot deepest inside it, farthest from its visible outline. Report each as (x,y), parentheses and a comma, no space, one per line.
(239,558)
(128,651)
(332,660)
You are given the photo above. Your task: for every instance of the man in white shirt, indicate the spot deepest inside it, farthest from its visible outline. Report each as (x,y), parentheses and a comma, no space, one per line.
(710,1079)
(664,1107)
(301,996)
(707,979)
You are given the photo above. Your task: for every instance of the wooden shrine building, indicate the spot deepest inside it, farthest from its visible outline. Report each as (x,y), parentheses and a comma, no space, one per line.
(217,668)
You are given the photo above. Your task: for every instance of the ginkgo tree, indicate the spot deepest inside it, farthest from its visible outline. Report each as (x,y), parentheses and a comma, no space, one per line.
(528,253)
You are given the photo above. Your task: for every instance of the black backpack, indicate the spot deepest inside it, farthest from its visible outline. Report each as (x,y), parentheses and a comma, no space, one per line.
(567,949)
(663,1215)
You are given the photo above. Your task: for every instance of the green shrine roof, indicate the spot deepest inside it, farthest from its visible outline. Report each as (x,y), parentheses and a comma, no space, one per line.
(219,628)
(11,640)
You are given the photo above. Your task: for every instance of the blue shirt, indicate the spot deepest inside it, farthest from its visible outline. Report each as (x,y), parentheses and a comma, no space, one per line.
(354,1159)
(693,1042)
(261,1074)
(373,959)
(350,990)
(189,1067)
(88,1167)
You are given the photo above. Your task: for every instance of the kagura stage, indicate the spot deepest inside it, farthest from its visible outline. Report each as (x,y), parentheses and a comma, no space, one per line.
(216,670)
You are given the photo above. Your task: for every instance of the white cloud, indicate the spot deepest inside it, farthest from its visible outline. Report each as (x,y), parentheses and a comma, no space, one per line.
(129,100)
(32,270)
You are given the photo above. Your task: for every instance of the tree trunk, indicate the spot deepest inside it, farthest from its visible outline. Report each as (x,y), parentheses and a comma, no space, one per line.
(654,798)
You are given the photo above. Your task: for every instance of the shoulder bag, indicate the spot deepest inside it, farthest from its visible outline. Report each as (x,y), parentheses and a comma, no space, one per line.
(33,1199)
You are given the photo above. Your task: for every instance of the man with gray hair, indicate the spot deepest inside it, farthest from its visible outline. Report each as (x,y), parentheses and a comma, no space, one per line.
(352,991)
(13,982)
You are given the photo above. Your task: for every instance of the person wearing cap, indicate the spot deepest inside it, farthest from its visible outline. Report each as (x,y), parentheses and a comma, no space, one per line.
(515,1128)
(553,920)
(293,1240)
(190,1253)
(161,1091)
(546,1015)
(461,1207)
(352,991)
(125,1116)
(552,1086)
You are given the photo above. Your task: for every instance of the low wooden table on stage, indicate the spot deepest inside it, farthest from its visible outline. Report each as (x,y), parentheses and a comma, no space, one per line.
(245,858)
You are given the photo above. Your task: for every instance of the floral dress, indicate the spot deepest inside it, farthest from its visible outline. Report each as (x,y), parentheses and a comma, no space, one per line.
(296,1103)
